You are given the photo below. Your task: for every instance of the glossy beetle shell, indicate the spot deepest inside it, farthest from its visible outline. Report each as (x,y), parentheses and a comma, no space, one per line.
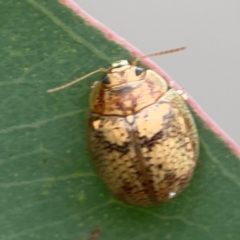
(143,138)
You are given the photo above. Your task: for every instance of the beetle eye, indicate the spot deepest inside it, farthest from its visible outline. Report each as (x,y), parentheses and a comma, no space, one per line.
(139,71)
(106,80)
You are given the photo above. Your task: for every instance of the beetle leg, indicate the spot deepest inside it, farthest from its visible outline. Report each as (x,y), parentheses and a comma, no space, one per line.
(183,94)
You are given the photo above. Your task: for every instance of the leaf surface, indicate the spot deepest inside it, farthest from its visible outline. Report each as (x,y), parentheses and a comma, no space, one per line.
(48,189)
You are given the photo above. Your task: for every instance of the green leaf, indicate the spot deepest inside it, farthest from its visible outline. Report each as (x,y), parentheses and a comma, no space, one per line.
(48,189)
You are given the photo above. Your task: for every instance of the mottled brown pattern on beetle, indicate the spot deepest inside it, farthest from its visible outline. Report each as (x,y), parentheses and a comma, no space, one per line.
(189,123)
(149,143)
(109,148)
(127,98)
(119,167)
(145,157)
(119,170)
(170,177)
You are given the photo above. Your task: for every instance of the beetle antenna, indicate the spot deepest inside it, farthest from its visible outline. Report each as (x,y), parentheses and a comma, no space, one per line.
(76,80)
(158,54)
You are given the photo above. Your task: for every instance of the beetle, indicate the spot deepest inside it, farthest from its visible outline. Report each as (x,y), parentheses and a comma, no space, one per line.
(143,137)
